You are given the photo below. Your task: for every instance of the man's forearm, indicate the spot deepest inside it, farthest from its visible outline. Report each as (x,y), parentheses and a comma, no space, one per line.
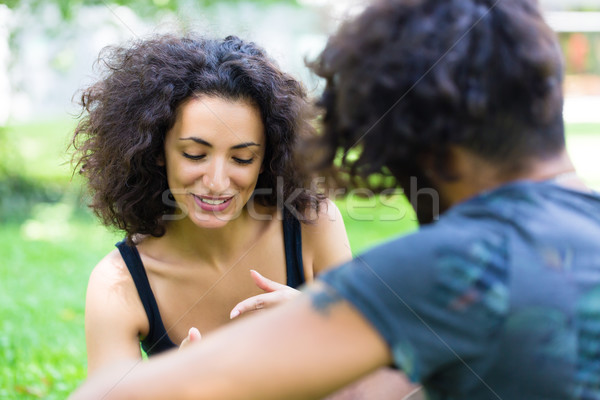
(304,349)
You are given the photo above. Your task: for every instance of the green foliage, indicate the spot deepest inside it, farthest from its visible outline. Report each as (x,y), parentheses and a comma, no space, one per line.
(38,150)
(33,168)
(17,192)
(68,8)
(6,152)
(18,195)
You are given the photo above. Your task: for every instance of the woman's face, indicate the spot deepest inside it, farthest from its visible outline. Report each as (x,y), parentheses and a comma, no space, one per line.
(213,156)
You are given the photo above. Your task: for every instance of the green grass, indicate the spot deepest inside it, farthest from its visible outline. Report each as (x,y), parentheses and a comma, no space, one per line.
(46,261)
(45,266)
(372,220)
(583,129)
(583,143)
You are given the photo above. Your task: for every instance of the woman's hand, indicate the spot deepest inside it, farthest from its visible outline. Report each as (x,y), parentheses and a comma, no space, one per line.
(276,293)
(192,337)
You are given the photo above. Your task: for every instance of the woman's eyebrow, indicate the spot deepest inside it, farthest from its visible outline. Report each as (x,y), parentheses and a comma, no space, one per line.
(244,145)
(197,140)
(205,143)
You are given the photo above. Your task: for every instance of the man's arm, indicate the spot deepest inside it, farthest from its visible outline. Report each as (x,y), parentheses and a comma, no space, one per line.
(304,349)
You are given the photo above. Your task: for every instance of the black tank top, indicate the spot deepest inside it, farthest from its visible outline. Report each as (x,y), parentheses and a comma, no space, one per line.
(158,339)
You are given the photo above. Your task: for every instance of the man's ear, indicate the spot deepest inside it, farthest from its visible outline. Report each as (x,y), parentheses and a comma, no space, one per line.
(160,160)
(442,167)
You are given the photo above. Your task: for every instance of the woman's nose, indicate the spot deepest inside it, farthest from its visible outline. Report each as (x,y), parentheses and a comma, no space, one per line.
(216,178)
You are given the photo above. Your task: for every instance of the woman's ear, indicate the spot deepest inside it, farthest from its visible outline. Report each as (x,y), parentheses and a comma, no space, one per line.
(160,160)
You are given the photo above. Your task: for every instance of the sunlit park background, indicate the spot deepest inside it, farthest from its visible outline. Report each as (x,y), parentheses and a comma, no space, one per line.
(49,241)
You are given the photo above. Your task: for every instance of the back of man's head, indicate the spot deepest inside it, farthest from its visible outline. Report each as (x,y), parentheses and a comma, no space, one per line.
(408,78)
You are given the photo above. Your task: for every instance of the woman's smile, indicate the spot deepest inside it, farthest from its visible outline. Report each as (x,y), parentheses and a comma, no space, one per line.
(213,204)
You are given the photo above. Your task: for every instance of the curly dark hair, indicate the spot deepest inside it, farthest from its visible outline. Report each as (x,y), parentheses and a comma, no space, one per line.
(408,78)
(127,112)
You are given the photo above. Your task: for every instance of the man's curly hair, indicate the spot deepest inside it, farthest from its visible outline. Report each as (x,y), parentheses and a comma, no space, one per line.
(128,111)
(409,78)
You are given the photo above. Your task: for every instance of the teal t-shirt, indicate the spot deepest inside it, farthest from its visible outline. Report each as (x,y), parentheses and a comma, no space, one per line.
(499,299)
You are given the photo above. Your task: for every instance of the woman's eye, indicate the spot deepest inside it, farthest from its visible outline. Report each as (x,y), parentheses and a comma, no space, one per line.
(193,156)
(243,161)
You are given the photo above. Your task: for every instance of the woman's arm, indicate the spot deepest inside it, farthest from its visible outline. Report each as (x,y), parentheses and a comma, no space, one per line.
(304,349)
(114,314)
(325,243)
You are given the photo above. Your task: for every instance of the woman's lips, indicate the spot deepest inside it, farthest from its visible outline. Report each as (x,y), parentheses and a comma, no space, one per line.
(214,204)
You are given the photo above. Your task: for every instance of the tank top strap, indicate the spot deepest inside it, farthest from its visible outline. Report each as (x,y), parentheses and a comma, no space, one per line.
(157,339)
(292,239)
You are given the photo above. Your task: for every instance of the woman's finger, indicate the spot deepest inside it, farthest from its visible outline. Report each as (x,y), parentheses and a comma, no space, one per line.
(265,283)
(264,300)
(192,336)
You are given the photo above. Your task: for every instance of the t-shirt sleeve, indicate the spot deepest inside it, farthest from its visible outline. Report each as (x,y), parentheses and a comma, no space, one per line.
(436,296)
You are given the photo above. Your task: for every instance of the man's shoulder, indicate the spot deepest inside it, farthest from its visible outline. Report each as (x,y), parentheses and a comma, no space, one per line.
(423,248)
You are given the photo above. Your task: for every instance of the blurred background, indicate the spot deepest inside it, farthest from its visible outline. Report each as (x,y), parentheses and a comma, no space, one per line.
(49,242)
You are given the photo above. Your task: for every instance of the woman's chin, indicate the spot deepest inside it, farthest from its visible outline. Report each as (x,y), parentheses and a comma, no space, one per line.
(211,220)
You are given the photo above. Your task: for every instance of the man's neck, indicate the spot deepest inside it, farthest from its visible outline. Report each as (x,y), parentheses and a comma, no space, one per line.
(476,175)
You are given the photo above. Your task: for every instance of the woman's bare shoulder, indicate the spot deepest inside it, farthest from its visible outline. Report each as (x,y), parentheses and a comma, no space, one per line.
(111,269)
(111,287)
(324,239)
(327,220)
